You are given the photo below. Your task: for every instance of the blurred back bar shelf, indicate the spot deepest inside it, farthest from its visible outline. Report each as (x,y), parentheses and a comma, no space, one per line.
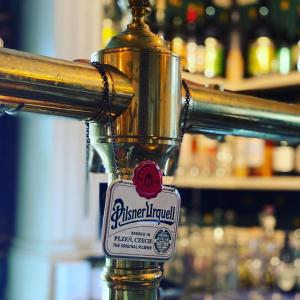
(275,86)
(290,183)
(233,183)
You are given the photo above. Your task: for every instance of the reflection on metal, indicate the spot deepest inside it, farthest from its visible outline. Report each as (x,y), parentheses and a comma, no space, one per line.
(46,85)
(148,129)
(134,280)
(224,113)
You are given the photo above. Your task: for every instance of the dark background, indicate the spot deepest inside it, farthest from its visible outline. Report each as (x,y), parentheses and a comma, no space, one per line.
(8,146)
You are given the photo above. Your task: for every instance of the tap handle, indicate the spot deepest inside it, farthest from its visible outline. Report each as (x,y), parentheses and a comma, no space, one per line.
(139,9)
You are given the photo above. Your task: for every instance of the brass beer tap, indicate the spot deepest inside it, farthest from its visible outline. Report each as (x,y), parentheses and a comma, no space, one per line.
(148,129)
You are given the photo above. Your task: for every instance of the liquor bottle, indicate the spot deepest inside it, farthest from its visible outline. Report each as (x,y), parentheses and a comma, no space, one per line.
(178,42)
(268,246)
(225,256)
(286,279)
(218,229)
(235,61)
(283,159)
(111,23)
(267,170)
(224,158)
(295,53)
(157,18)
(194,169)
(297,160)
(255,156)
(186,158)
(240,166)
(296,244)
(197,276)
(261,55)
(230,237)
(295,48)
(284,37)
(179,267)
(195,51)
(283,54)
(206,155)
(214,48)
(191,43)
(200,55)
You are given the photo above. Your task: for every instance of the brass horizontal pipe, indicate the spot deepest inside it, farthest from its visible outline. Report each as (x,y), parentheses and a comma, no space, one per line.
(217,112)
(46,85)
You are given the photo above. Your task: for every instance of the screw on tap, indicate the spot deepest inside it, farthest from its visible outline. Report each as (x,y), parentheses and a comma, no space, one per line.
(139,9)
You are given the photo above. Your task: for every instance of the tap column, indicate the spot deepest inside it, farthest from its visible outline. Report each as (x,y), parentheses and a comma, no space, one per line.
(148,129)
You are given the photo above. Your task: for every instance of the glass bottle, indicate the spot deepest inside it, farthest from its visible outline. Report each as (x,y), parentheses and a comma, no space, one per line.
(286,277)
(186,158)
(240,166)
(267,170)
(283,54)
(191,43)
(297,160)
(283,159)
(206,155)
(157,18)
(235,61)
(179,267)
(230,239)
(261,53)
(178,42)
(220,256)
(296,244)
(268,246)
(197,275)
(255,156)
(111,23)
(295,47)
(214,48)
(224,158)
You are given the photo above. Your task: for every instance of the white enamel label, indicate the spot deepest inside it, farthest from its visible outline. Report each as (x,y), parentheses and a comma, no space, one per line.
(138,228)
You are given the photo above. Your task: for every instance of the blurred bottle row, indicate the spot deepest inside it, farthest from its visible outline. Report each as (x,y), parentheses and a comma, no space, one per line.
(237,156)
(218,257)
(232,41)
(213,50)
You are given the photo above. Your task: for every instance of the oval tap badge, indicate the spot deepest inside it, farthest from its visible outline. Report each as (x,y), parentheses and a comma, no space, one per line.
(138,228)
(147,178)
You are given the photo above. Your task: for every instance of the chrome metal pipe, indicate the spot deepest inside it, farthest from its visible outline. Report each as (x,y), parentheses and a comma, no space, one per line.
(46,85)
(223,113)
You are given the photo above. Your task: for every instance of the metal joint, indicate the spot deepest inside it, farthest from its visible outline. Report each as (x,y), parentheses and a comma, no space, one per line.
(10,109)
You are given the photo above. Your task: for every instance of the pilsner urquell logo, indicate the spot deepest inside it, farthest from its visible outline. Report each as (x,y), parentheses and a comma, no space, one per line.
(123,215)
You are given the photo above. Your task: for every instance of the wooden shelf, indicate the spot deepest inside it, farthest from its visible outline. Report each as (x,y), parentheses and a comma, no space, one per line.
(256,85)
(233,183)
(229,183)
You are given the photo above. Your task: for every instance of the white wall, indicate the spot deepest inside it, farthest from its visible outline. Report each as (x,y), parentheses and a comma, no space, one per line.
(50,214)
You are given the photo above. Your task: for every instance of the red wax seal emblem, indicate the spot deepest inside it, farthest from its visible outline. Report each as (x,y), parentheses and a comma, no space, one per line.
(147,179)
